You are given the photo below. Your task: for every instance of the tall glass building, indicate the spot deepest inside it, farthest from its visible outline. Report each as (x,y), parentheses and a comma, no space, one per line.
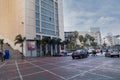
(47,21)
(33,19)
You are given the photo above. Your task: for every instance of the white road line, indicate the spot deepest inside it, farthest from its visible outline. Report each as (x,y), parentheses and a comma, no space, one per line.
(82,74)
(21,78)
(115,70)
(46,63)
(102,75)
(2,65)
(47,70)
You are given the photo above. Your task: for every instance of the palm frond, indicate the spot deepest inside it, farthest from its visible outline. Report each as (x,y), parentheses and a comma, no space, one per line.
(19,39)
(17,42)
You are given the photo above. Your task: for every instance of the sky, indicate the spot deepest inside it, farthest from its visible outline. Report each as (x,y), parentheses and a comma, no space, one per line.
(80,15)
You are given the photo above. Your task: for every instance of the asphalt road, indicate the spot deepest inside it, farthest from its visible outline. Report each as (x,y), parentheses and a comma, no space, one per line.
(61,68)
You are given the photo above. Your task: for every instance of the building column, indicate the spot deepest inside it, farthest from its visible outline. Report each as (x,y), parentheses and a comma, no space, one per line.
(51,50)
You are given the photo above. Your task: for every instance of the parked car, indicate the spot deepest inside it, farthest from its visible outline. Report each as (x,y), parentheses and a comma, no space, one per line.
(90,51)
(112,53)
(80,54)
(69,53)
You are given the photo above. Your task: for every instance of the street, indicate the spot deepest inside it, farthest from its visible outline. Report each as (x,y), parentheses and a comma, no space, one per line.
(61,68)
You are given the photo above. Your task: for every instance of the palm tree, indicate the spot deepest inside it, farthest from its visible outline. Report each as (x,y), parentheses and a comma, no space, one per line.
(75,36)
(89,38)
(53,42)
(1,43)
(93,44)
(92,39)
(70,37)
(84,41)
(47,41)
(20,40)
(58,42)
(66,42)
(81,38)
(104,44)
(39,44)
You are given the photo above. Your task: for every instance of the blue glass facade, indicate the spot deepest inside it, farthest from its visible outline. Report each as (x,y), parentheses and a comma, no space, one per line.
(56,19)
(47,11)
(37,15)
(49,17)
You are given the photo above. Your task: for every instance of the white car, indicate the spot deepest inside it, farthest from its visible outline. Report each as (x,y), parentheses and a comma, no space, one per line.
(90,51)
(112,53)
(69,53)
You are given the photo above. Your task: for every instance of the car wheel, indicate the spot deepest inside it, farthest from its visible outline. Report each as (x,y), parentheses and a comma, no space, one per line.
(73,57)
(118,56)
(106,56)
(80,57)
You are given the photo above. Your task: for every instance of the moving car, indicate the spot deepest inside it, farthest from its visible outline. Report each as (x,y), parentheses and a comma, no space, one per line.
(80,54)
(112,53)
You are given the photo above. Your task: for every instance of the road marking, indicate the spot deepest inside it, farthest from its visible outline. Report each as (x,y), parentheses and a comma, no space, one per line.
(47,70)
(101,75)
(2,65)
(88,71)
(21,78)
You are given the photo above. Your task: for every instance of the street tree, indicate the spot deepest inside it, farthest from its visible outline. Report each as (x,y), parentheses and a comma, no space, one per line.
(20,40)
(75,34)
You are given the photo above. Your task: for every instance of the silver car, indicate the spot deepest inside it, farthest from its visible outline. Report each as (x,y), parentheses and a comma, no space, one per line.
(112,53)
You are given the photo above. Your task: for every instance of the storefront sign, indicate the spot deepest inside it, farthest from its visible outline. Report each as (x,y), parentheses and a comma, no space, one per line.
(31,45)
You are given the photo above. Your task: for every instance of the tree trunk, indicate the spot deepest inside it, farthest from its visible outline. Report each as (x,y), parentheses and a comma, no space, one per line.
(22,54)
(2,53)
(41,53)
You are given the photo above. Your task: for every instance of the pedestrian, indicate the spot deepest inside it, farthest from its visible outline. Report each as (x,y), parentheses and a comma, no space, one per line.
(94,53)
(101,51)
(106,50)
(1,56)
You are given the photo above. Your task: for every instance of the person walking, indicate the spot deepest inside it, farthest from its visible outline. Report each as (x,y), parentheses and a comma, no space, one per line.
(1,56)
(101,51)
(94,53)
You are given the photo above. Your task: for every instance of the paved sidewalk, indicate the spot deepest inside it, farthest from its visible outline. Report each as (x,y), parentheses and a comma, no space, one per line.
(61,68)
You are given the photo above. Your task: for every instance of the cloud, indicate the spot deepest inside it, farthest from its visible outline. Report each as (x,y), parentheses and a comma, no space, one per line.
(83,14)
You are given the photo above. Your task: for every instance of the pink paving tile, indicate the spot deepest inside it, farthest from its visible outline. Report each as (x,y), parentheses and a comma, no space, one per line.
(8,75)
(42,76)
(30,70)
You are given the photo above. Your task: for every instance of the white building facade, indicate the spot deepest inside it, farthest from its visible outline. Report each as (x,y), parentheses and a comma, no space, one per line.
(95,32)
(111,40)
(96,36)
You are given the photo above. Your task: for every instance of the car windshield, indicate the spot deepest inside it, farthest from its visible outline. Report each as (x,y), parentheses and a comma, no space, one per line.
(81,51)
(78,51)
(115,51)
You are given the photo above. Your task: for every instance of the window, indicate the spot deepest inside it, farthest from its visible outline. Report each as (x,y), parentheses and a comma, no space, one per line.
(37,2)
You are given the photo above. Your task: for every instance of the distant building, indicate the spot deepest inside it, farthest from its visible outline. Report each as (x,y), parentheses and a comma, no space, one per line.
(111,40)
(108,40)
(96,35)
(95,32)
(116,41)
